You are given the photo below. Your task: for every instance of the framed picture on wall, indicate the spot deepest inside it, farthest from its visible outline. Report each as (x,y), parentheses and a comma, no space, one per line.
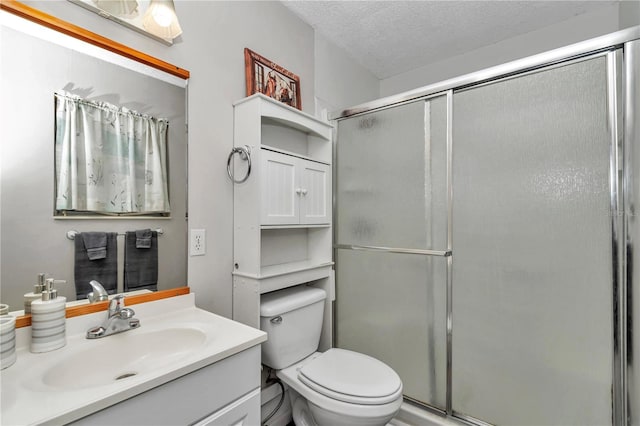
(270,79)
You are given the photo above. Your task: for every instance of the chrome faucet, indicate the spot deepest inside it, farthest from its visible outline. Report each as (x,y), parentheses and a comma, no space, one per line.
(98,294)
(119,319)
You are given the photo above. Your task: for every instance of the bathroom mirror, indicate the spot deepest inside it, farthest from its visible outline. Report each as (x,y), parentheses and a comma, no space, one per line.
(36,62)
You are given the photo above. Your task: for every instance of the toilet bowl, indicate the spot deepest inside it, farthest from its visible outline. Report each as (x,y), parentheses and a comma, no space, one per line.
(341,387)
(336,387)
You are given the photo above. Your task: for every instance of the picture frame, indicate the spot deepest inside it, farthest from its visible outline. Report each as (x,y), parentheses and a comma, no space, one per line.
(270,79)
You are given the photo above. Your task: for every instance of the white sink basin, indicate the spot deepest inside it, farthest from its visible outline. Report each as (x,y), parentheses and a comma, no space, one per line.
(123,356)
(87,375)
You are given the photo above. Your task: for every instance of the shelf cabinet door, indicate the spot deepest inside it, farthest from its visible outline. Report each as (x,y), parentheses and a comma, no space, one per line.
(294,191)
(315,181)
(280,201)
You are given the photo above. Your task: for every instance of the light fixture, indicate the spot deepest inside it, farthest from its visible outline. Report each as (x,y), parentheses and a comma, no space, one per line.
(161,20)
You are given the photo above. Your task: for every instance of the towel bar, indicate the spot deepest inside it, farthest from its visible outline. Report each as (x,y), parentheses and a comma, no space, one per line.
(71,235)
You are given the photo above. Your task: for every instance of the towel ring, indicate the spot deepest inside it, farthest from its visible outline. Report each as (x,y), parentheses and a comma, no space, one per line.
(245,154)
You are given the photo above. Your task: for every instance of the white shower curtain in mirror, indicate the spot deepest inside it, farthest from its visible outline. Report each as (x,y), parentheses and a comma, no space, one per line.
(109,159)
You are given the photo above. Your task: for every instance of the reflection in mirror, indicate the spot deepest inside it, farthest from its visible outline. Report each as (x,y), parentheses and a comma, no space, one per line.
(35,64)
(109,159)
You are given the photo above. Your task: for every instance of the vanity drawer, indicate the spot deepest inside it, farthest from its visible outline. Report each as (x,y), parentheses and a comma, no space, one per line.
(243,412)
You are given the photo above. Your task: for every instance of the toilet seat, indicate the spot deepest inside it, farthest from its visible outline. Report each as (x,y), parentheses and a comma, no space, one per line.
(351,377)
(373,413)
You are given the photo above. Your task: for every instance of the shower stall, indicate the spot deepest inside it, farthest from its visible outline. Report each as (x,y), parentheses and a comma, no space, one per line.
(484,238)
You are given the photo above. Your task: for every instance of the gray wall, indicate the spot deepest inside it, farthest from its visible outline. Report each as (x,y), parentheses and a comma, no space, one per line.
(211,48)
(629,13)
(32,240)
(340,81)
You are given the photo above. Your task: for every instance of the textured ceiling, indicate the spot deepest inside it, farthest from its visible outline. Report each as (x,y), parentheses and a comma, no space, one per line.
(391,37)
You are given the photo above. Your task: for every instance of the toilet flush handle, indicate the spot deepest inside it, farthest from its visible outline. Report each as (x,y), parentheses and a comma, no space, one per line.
(276,320)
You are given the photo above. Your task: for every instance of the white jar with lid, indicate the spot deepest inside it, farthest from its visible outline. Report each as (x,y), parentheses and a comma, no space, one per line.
(48,320)
(7,341)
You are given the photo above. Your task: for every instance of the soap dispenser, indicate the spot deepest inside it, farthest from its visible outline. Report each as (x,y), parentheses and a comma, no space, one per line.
(48,321)
(36,294)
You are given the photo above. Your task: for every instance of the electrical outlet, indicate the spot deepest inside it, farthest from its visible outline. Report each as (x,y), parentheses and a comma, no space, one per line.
(198,246)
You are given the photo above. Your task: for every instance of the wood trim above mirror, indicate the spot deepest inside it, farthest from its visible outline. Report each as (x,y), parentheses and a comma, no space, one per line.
(49,21)
(74,311)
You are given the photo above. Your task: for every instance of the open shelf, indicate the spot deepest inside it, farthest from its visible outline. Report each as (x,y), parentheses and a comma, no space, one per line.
(276,277)
(294,154)
(288,116)
(320,225)
(284,269)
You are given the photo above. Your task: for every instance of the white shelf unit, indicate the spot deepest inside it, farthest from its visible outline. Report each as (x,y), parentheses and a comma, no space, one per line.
(282,212)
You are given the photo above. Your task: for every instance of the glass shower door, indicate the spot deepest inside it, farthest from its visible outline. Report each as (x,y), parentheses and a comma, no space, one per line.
(532,339)
(391,209)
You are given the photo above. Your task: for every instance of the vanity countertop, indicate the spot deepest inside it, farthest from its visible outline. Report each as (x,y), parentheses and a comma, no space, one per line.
(36,391)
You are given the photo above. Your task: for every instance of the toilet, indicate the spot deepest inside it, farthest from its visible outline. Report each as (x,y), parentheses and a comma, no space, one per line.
(336,387)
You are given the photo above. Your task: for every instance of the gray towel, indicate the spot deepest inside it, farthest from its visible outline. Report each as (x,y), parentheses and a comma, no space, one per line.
(96,244)
(103,269)
(140,264)
(143,238)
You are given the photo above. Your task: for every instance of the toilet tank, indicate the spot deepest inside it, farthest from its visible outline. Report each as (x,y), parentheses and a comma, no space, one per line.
(292,319)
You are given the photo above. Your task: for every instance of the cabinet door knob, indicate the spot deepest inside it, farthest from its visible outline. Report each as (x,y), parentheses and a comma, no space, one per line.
(298,191)
(304,192)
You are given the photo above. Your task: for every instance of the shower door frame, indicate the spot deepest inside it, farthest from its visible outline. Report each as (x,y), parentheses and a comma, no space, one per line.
(446,254)
(622,133)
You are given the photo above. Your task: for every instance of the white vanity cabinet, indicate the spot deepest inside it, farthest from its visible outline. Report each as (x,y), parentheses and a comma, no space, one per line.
(224,393)
(182,366)
(294,191)
(282,212)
